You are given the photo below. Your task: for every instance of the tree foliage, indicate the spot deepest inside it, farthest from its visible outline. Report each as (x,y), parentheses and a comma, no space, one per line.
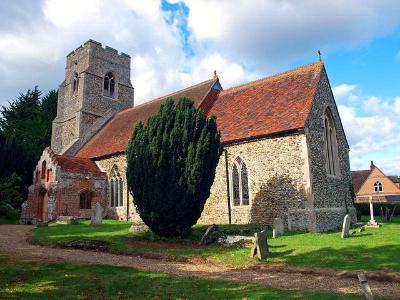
(25,129)
(171,166)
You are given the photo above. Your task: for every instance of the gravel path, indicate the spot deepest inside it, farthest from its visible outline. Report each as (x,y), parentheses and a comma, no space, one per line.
(13,240)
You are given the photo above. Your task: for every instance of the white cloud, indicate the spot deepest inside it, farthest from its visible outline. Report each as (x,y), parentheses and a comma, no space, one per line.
(345,91)
(269,33)
(159,62)
(372,125)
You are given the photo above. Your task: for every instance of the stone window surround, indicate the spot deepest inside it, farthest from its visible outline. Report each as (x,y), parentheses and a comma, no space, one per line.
(116,188)
(239,168)
(75,84)
(106,93)
(378,187)
(328,118)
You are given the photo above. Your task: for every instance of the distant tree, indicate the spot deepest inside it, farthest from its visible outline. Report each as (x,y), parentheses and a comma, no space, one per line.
(25,129)
(10,196)
(171,166)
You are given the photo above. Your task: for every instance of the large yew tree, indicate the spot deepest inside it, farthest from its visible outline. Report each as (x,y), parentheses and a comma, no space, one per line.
(171,166)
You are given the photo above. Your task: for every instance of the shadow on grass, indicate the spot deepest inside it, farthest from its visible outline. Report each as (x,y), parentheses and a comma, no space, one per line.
(350,258)
(352,236)
(27,280)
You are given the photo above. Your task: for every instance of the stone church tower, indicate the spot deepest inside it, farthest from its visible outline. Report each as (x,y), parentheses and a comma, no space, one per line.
(97,85)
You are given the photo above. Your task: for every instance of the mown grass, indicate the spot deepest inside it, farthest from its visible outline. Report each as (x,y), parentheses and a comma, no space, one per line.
(372,249)
(33,280)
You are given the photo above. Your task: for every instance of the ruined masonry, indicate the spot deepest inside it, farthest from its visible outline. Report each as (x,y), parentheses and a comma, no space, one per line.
(285,151)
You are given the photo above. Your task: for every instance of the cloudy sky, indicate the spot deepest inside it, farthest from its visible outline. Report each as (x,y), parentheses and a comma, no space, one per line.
(177,43)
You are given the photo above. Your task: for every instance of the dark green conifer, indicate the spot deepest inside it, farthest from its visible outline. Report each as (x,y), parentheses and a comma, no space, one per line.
(171,166)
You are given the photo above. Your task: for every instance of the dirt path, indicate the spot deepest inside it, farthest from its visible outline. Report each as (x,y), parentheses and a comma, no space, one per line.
(13,240)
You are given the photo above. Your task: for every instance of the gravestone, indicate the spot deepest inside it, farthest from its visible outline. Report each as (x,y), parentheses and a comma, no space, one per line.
(97,215)
(365,286)
(260,245)
(210,235)
(278,228)
(346,226)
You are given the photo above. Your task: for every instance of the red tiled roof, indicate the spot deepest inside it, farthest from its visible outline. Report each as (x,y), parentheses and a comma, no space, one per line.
(395,179)
(72,164)
(114,137)
(271,105)
(358,178)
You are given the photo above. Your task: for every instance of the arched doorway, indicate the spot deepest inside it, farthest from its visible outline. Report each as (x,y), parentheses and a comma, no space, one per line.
(43,205)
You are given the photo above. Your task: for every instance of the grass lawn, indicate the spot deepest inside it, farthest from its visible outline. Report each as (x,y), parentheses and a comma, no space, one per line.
(32,280)
(372,249)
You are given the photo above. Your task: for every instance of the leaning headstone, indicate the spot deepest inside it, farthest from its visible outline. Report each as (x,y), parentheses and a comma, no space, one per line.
(365,286)
(260,245)
(346,226)
(97,215)
(278,228)
(209,236)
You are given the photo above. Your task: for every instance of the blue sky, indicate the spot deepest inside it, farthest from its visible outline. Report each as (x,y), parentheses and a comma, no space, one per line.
(174,44)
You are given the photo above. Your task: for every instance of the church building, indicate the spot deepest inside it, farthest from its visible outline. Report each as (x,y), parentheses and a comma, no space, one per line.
(285,153)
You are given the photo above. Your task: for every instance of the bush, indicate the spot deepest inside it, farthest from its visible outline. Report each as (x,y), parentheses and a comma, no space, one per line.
(171,166)
(10,196)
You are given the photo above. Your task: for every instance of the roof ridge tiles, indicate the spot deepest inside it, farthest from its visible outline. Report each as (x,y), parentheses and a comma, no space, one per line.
(171,94)
(279,75)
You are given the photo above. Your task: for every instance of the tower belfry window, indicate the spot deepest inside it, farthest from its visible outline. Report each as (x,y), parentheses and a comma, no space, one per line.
(109,85)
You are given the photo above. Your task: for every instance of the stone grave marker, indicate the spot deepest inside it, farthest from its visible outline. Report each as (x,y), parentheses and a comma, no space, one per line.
(346,226)
(260,245)
(278,228)
(208,237)
(97,215)
(365,286)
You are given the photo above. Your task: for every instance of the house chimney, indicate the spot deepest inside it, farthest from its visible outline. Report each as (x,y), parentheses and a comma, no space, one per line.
(372,164)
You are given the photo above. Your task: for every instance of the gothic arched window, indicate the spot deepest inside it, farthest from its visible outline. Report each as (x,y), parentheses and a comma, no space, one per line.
(116,188)
(85,199)
(330,143)
(240,183)
(109,85)
(75,83)
(378,187)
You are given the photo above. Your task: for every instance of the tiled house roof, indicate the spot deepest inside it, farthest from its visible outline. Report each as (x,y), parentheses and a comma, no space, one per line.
(358,178)
(114,137)
(272,105)
(72,164)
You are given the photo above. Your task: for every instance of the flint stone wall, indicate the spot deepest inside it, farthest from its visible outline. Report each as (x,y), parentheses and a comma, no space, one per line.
(328,191)
(277,181)
(128,210)
(86,111)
